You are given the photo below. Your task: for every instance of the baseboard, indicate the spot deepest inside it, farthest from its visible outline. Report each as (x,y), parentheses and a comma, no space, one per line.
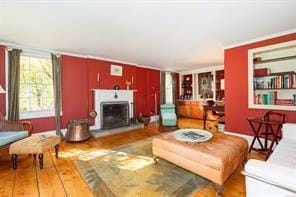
(154,118)
(248,138)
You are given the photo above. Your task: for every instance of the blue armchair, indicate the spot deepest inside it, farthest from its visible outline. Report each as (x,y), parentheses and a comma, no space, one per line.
(168,115)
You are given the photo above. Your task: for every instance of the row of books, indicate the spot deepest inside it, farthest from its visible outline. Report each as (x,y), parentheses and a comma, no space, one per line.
(270,98)
(276,82)
(266,99)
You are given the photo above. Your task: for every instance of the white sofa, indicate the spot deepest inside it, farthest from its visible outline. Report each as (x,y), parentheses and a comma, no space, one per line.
(277,175)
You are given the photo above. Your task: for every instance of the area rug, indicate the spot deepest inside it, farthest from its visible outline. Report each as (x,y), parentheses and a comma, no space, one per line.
(128,170)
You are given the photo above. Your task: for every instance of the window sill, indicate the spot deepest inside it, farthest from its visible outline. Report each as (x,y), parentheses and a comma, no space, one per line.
(37,114)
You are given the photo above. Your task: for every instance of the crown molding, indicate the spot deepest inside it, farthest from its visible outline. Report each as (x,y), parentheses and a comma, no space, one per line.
(283,33)
(202,69)
(39,50)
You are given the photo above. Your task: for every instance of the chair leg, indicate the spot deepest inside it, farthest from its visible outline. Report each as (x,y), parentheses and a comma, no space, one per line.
(155,160)
(40,156)
(14,161)
(57,151)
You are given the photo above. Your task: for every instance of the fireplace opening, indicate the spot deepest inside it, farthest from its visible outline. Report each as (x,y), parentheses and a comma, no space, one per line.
(114,114)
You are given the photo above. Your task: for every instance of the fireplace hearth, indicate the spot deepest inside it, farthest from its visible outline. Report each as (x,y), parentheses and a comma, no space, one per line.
(114,114)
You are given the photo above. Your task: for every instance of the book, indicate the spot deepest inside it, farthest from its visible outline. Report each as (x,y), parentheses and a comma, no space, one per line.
(261,72)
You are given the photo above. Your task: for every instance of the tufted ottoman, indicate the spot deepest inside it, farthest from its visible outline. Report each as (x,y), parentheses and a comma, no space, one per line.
(36,144)
(215,159)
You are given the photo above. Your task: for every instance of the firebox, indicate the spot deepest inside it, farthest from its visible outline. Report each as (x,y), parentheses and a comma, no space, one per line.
(114,114)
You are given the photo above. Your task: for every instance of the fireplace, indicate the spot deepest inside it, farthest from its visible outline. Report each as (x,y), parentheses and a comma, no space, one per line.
(114,114)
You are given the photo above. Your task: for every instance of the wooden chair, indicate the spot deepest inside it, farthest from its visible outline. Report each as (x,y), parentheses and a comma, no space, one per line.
(269,117)
(6,125)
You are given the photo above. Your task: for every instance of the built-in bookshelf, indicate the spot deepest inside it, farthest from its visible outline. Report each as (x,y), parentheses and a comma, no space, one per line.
(272,77)
(187,86)
(220,85)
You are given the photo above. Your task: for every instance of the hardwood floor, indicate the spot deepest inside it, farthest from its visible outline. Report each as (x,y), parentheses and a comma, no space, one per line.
(60,177)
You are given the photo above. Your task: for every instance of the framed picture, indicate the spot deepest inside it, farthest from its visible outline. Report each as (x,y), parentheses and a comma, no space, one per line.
(205,84)
(116,70)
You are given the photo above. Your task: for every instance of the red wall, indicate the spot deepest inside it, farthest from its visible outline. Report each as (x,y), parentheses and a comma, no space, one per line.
(79,77)
(236,86)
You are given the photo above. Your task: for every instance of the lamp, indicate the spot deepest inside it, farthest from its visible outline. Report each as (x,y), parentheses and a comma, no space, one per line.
(2,91)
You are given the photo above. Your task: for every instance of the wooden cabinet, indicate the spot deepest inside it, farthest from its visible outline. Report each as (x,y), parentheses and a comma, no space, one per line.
(190,109)
(194,109)
(184,108)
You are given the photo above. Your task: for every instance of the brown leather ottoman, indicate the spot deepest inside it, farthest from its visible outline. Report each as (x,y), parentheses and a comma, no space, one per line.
(215,159)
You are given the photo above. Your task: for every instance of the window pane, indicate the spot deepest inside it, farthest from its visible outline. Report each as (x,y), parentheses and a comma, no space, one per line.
(24,104)
(36,88)
(24,63)
(25,90)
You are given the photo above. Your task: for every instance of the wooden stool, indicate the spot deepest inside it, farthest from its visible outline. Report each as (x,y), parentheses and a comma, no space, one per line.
(35,145)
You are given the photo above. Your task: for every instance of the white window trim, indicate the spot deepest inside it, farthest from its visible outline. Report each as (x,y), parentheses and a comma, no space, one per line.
(29,114)
(37,114)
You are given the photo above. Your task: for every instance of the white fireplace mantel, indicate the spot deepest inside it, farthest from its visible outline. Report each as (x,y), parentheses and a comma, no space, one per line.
(104,95)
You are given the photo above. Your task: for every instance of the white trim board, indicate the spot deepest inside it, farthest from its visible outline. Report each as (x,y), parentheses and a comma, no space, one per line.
(249,139)
(283,33)
(201,70)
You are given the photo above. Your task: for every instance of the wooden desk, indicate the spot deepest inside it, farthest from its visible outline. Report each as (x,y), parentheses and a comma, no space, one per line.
(215,108)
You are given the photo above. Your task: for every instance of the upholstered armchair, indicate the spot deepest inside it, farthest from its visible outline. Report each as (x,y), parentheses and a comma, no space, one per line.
(11,132)
(168,115)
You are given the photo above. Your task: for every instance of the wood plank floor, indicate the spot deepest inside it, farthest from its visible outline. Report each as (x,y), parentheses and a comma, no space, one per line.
(61,178)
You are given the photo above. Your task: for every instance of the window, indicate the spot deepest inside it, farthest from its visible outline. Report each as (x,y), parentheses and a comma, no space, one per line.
(36,86)
(168,88)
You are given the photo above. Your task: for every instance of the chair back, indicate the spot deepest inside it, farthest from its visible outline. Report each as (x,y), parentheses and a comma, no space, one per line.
(274,115)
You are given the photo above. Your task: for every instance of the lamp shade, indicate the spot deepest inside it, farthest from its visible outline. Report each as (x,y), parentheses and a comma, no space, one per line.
(2,91)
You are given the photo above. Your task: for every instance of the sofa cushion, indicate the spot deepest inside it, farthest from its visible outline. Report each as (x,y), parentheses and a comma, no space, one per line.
(284,154)
(7,137)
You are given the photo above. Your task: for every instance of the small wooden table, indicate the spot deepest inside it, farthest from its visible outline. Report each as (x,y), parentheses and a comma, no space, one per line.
(273,126)
(206,108)
(36,144)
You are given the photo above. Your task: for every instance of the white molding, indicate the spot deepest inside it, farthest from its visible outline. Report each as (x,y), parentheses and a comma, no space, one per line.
(155,118)
(249,139)
(251,53)
(28,48)
(201,70)
(262,38)
(36,114)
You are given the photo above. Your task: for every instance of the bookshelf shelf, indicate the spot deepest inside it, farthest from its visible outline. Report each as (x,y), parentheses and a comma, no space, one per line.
(275,89)
(276,59)
(272,79)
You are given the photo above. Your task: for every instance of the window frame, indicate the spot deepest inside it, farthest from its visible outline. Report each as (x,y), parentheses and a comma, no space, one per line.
(37,113)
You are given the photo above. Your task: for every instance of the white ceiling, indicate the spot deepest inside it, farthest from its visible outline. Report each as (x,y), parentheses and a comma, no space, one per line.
(174,35)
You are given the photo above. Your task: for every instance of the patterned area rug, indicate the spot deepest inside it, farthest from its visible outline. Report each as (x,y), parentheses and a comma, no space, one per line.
(128,170)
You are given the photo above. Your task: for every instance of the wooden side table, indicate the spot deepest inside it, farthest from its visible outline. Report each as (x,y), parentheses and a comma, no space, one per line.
(272,127)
